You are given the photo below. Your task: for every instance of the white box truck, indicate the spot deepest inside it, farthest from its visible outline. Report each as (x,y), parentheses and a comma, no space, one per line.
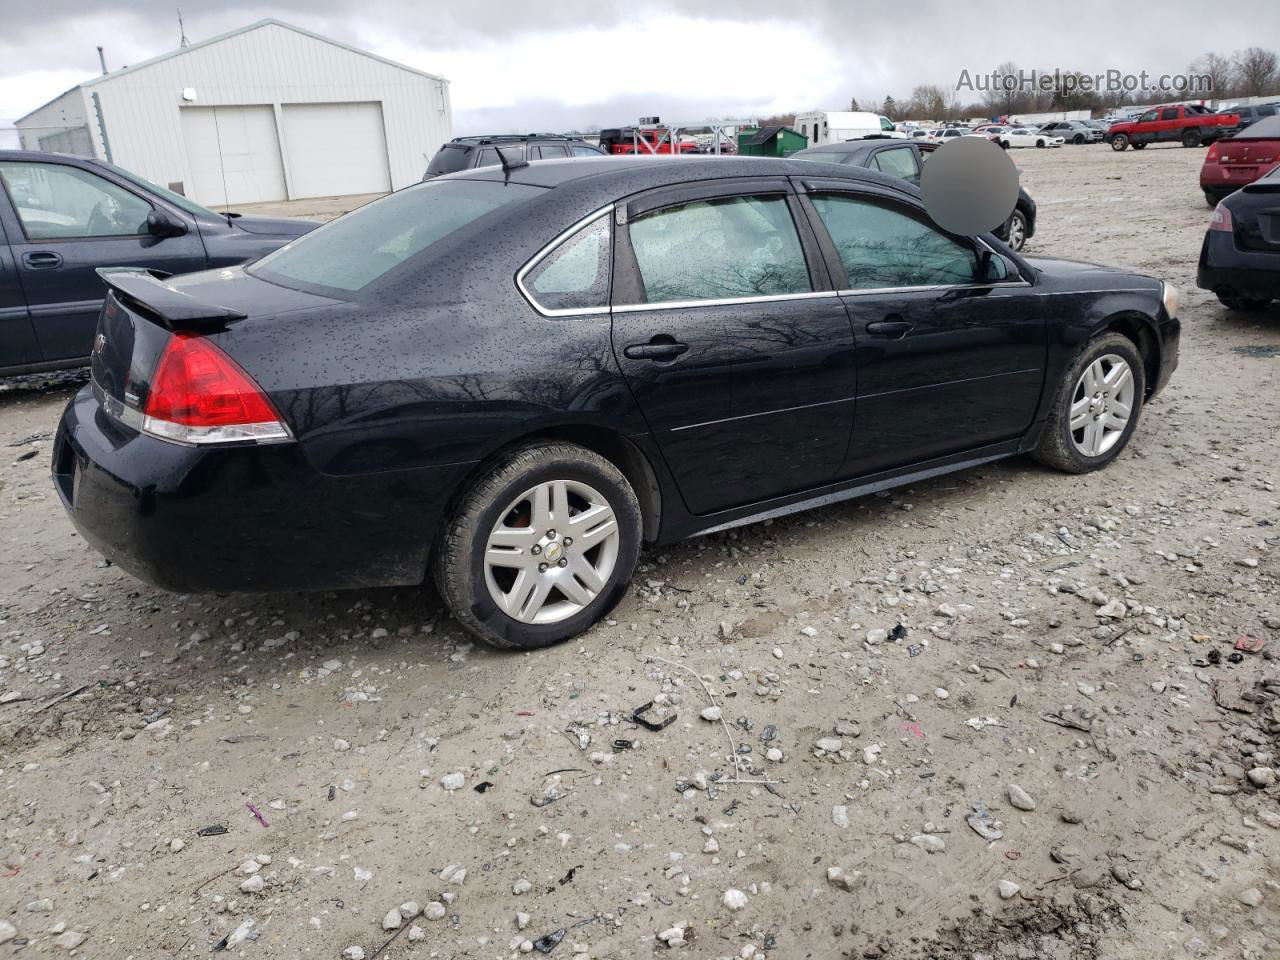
(836,126)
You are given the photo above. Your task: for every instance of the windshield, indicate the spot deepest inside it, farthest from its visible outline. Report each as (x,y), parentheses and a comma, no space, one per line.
(177,199)
(351,252)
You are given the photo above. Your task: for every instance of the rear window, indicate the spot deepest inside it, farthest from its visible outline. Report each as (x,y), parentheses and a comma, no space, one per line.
(1268,128)
(450,158)
(351,252)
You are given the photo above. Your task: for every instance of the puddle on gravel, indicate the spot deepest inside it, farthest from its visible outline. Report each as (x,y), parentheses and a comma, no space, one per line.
(1257,351)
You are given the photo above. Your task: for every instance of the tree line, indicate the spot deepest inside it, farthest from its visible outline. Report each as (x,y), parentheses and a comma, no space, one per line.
(1252,72)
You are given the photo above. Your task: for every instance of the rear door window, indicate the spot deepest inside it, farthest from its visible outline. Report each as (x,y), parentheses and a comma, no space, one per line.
(582,150)
(547,151)
(1169,114)
(348,254)
(720,249)
(884,246)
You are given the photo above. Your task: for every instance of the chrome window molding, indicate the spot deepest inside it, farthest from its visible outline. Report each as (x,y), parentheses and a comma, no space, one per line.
(686,304)
(545,252)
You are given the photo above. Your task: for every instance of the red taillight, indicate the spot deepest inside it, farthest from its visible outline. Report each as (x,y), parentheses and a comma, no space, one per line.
(1213,153)
(199,395)
(1221,219)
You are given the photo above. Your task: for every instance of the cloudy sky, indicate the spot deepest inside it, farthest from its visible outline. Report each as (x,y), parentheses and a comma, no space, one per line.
(559,64)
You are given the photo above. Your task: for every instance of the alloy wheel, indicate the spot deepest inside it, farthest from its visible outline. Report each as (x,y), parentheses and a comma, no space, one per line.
(1017,232)
(1101,405)
(551,552)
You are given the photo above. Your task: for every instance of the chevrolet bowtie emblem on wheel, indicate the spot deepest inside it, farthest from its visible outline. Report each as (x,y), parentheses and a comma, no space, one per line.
(99,344)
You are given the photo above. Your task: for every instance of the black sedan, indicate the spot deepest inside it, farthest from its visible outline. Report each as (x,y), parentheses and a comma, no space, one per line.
(62,217)
(906,159)
(510,379)
(1240,256)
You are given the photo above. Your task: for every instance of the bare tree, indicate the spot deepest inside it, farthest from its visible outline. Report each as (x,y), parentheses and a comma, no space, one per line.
(1255,71)
(1217,69)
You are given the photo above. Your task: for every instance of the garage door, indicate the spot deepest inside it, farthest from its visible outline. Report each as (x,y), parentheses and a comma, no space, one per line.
(336,149)
(233,154)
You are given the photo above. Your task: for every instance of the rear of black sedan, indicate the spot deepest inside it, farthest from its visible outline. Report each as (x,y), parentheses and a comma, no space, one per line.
(1240,256)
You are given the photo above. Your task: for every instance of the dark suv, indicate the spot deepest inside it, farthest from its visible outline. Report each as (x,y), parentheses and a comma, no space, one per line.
(463,153)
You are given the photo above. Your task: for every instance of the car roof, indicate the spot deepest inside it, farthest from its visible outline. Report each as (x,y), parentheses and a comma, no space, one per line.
(611,177)
(37,155)
(483,139)
(1268,128)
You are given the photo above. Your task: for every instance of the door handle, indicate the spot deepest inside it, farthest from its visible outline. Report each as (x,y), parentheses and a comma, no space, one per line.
(660,348)
(891,326)
(42,259)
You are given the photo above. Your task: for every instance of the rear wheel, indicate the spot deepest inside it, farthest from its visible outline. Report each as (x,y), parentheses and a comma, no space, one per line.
(1139,146)
(541,547)
(1119,142)
(1096,408)
(1191,138)
(1233,301)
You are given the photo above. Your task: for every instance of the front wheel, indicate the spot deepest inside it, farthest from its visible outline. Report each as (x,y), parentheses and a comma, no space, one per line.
(1078,139)
(1017,230)
(1096,408)
(541,547)
(1119,142)
(1040,144)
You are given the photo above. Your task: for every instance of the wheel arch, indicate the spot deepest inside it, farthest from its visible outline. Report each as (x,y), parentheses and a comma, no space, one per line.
(1141,330)
(622,452)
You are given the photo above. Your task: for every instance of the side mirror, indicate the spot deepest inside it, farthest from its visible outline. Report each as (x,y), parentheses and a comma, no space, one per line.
(990,268)
(160,224)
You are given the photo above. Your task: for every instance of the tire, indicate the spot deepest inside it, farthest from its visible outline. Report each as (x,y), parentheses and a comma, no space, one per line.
(1059,447)
(1004,144)
(1211,199)
(1233,301)
(1040,144)
(1139,146)
(497,499)
(1192,138)
(1078,139)
(1017,230)
(1119,143)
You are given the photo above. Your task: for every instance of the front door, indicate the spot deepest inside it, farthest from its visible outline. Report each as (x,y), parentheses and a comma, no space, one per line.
(71,221)
(17,339)
(945,364)
(740,357)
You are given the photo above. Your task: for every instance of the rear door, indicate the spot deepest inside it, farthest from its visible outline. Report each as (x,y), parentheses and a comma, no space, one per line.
(18,346)
(945,364)
(734,345)
(70,221)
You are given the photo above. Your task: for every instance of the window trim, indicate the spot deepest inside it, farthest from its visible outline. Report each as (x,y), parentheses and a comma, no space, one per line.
(17,214)
(551,248)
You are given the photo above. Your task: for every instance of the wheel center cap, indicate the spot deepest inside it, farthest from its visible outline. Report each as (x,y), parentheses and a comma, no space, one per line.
(552,551)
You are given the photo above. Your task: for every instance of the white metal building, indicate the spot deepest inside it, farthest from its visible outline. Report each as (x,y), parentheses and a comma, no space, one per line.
(266,112)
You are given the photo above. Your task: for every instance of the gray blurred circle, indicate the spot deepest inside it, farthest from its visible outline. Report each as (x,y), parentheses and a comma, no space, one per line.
(969,185)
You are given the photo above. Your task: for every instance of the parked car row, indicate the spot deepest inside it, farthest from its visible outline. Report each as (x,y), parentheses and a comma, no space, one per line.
(62,217)
(397,395)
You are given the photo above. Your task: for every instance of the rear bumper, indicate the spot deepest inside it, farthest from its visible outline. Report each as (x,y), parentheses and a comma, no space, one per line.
(242,518)
(1225,268)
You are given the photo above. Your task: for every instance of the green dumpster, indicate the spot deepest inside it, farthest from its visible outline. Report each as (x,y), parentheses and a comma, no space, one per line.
(770,142)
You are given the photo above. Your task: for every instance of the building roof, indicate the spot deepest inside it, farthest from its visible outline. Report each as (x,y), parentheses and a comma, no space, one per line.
(269,21)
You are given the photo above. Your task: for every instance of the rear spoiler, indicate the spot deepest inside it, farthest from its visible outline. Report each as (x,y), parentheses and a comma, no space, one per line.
(147,289)
(1268,184)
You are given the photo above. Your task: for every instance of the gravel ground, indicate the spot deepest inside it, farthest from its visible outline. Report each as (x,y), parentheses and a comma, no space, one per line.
(993,715)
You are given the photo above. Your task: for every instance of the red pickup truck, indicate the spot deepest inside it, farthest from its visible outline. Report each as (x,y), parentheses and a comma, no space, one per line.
(643,140)
(1189,125)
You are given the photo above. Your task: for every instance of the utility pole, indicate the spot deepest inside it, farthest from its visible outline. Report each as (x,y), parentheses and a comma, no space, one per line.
(102,60)
(182,31)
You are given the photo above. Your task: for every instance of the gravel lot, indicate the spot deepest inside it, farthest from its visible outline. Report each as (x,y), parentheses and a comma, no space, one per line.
(1070,636)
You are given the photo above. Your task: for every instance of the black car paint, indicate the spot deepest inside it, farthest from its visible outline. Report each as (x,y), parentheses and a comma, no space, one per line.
(862,153)
(50,296)
(400,394)
(1245,261)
